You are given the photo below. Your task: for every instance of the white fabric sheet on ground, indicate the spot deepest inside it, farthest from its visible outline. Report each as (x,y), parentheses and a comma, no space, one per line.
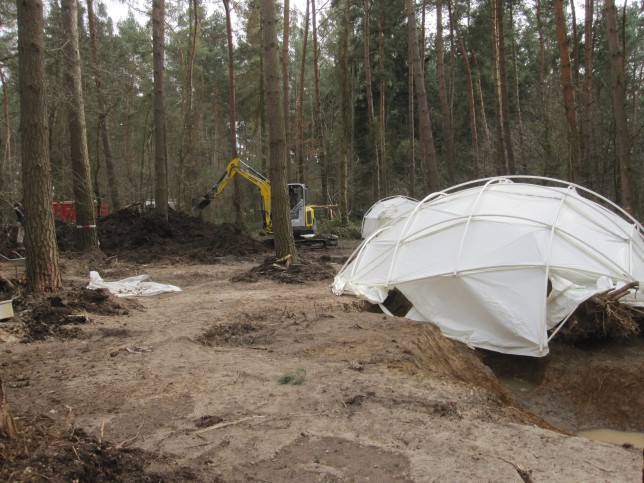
(138,286)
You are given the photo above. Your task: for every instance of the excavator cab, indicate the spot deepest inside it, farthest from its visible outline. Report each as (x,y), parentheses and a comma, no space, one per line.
(302,216)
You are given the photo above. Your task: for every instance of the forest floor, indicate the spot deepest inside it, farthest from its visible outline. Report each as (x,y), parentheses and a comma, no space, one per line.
(253,373)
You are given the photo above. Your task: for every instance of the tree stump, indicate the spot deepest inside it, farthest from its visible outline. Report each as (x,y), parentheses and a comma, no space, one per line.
(7,425)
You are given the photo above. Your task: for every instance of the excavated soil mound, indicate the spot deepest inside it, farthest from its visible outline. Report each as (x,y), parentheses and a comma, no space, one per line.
(43,451)
(50,315)
(132,235)
(309,268)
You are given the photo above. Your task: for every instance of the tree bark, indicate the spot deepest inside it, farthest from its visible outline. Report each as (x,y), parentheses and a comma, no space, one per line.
(299,146)
(346,105)
(381,118)
(547,142)
(587,113)
(500,159)
(286,96)
(618,87)
(103,108)
(160,158)
(319,127)
(42,266)
(411,123)
(373,136)
(188,161)
(503,89)
(237,193)
(283,232)
(448,135)
(426,136)
(6,168)
(515,72)
(86,235)
(470,94)
(569,101)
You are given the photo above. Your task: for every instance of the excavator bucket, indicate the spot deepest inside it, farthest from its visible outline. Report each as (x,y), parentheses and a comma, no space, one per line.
(200,203)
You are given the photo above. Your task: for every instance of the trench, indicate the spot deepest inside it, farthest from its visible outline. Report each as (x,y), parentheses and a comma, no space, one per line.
(594,390)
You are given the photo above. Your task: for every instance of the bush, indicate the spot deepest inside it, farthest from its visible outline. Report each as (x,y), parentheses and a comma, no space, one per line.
(351,230)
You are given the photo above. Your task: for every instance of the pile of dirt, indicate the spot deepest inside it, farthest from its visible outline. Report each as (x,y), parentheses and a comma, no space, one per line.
(44,451)
(133,235)
(309,268)
(50,315)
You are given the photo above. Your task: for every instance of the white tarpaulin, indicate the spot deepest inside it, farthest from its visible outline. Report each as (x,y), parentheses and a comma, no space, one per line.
(385,210)
(138,286)
(497,263)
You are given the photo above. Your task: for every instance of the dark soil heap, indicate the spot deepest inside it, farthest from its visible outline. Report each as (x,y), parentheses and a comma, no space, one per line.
(133,235)
(51,315)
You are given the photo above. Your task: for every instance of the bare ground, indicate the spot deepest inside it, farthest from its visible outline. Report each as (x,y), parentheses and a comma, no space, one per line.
(260,380)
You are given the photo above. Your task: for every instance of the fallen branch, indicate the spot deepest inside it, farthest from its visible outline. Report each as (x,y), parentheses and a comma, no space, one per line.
(524,473)
(228,423)
(128,441)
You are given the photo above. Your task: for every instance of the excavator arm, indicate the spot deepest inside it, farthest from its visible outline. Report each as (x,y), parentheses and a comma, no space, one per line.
(236,166)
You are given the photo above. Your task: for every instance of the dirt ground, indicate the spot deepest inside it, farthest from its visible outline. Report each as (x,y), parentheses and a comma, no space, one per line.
(254,373)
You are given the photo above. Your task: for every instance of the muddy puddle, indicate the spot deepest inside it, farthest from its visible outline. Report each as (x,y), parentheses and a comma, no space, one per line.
(623,438)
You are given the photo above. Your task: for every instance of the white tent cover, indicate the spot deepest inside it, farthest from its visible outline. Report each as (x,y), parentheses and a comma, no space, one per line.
(498,263)
(384,211)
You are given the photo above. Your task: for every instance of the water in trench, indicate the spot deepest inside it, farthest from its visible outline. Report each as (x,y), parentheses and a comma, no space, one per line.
(612,436)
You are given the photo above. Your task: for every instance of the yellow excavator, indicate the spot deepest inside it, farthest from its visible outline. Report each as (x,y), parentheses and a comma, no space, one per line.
(302,215)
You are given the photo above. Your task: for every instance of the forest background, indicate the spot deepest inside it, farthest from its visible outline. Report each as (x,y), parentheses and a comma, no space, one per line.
(529,87)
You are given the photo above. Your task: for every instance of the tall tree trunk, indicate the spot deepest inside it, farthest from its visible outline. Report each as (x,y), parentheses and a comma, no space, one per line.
(569,101)
(284,242)
(618,87)
(481,104)
(103,108)
(286,96)
(43,272)
(503,86)
(426,136)
(6,166)
(237,193)
(373,136)
(319,128)
(515,69)
(411,123)
(86,238)
(500,154)
(547,142)
(587,169)
(160,158)
(470,93)
(299,146)
(381,117)
(346,106)
(448,134)
(188,173)
(575,46)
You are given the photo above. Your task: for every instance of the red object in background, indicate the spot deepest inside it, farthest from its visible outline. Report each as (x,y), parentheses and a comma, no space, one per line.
(66,210)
